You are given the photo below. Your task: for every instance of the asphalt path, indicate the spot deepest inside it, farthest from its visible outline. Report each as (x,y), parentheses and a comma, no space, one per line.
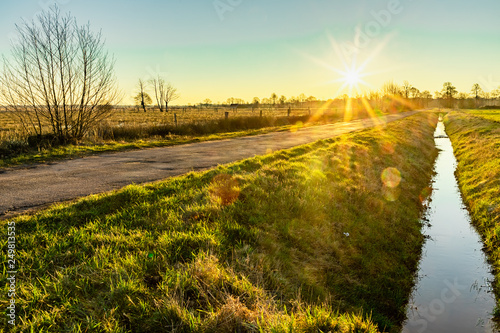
(25,189)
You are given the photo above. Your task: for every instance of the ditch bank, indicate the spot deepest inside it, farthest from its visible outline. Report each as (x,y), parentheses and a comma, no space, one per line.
(324,236)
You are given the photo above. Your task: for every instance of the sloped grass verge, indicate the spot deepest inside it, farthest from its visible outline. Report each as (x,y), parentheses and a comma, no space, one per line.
(323,237)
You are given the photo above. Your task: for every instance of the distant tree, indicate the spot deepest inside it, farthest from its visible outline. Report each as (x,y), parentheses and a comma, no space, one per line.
(59,80)
(207,102)
(477,91)
(448,91)
(171,95)
(266,101)
(302,98)
(282,100)
(426,94)
(142,98)
(414,93)
(373,95)
(426,97)
(495,93)
(406,89)
(464,102)
(391,89)
(159,86)
(274,98)
(256,101)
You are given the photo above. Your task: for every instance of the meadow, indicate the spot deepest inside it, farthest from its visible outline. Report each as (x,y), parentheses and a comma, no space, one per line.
(129,128)
(475,136)
(321,237)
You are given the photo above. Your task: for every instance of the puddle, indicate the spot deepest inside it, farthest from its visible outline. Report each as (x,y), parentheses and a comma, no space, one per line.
(453,292)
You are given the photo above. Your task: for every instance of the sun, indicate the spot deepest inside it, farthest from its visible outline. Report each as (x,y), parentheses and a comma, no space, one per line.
(352,78)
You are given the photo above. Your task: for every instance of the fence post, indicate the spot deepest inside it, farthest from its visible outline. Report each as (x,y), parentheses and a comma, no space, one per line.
(175,119)
(261,113)
(289,111)
(227,115)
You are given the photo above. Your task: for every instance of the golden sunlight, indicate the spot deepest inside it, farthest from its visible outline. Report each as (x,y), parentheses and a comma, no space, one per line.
(352,79)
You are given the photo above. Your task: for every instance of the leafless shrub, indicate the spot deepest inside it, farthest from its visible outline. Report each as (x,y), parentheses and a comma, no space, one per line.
(59,80)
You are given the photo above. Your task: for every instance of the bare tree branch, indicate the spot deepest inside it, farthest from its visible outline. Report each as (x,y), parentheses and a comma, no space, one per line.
(60,80)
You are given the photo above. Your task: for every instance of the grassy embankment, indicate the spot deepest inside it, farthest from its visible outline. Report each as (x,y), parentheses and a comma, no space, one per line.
(322,237)
(476,142)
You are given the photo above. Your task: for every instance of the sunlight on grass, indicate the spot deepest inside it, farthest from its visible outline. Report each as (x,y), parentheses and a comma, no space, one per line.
(298,240)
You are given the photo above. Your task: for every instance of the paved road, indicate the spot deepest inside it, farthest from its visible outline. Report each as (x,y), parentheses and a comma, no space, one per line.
(26,189)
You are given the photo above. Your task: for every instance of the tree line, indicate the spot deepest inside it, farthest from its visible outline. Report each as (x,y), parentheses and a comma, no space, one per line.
(448,96)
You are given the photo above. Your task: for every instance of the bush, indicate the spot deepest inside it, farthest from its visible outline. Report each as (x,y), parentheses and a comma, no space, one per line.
(13,147)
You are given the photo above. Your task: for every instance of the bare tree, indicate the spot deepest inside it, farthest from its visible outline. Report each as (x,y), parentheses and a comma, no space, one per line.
(171,95)
(164,93)
(59,80)
(142,96)
(391,89)
(406,87)
(159,87)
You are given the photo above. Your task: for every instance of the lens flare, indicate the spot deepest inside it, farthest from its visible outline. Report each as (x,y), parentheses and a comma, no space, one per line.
(391,177)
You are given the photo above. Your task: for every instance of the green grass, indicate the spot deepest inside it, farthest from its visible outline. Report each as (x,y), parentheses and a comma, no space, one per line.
(487,114)
(476,142)
(302,240)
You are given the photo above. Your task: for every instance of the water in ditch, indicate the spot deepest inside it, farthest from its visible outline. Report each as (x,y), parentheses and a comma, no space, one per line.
(453,292)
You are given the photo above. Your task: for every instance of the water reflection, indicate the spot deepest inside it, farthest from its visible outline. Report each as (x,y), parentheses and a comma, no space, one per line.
(453,293)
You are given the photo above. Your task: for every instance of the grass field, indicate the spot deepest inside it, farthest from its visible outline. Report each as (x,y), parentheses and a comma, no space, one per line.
(129,116)
(476,142)
(487,114)
(322,237)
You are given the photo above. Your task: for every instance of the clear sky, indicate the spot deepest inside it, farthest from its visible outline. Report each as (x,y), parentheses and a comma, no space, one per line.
(244,48)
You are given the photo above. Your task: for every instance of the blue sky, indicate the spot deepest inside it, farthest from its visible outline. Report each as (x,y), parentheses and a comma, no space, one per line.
(246,48)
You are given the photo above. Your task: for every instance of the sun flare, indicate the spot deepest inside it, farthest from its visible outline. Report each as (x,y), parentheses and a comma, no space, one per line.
(352,78)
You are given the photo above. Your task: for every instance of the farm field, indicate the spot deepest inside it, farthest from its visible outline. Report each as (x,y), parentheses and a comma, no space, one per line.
(325,236)
(127,128)
(476,141)
(127,115)
(487,114)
